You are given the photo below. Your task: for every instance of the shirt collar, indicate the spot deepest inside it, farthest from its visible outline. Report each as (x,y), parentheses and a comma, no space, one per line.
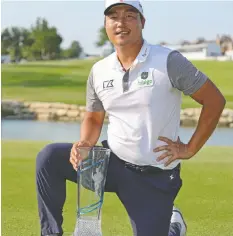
(142,56)
(144,52)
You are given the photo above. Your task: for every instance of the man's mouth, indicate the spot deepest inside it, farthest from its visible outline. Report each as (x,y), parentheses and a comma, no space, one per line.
(123,32)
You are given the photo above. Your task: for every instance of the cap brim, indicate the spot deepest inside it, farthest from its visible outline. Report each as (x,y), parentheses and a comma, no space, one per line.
(116,4)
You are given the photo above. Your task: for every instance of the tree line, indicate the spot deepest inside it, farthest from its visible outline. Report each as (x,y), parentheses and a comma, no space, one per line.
(43,42)
(40,42)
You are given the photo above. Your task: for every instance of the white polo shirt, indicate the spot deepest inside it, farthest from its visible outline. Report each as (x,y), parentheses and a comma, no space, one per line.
(144,102)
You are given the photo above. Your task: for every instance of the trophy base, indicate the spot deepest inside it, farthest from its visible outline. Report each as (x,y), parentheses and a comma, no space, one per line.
(88,227)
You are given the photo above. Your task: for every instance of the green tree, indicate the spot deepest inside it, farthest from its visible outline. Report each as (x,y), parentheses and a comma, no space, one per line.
(13,40)
(200,40)
(185,42)
(73,51)
(163,43)
(5,41)
(103,39)
(46,41)
(38,43)
(27,42)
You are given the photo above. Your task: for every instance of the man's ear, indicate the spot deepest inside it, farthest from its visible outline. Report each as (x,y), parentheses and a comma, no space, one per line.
(143,22)
(105,22)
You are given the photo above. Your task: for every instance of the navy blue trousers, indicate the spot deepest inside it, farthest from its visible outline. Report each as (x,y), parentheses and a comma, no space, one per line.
(148,199)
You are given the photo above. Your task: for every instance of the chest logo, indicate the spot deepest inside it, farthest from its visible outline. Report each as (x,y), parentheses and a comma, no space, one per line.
(144,75)
(108,84)
(145,80)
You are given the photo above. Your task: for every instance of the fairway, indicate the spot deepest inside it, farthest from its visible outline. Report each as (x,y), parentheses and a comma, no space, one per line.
(66,81)
(205,199)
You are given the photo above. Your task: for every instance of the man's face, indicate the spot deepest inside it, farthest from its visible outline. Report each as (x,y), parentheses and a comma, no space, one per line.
(123,25)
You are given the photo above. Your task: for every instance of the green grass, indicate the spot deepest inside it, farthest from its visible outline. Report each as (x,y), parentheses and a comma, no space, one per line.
(221,74)
(46,82)
(205,199)
(66,81)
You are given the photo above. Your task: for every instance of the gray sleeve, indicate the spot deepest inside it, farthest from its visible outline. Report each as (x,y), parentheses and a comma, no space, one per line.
(93,103)
(183,74)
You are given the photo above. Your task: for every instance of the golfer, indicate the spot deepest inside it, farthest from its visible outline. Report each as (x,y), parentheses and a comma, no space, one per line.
(140,87)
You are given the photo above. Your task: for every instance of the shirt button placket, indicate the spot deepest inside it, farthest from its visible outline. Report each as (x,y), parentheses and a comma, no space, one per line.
(125,82)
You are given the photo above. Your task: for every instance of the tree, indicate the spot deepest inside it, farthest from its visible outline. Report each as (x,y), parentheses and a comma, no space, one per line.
(103,39)
(185,42)
(13,40)
(5,41)
(163,43)
(47,41)
(38,43)
(200,40)
(52,43)
(226,43)
(27,42)
(73,51)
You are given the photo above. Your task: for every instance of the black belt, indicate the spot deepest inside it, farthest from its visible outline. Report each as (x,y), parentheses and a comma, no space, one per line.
(140,169)
(145,169)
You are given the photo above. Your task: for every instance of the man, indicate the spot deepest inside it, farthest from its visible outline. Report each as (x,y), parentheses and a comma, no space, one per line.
(140,87)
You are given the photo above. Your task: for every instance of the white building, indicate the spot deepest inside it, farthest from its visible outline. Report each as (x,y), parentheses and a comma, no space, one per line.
(198,51)
(229,54)
(5,59)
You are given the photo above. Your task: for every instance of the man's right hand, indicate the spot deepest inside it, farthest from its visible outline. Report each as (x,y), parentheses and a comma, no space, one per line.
(75,156)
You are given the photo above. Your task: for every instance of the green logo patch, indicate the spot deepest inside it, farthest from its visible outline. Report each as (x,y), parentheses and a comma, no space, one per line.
(147,82)
(144,75)
(144,79)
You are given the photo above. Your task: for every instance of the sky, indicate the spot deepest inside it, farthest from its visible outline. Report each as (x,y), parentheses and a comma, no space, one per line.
(170,21)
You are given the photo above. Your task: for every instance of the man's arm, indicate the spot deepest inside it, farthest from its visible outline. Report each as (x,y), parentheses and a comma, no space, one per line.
(213,103)
(91,127)
(94,116)
(187,78)
(92,123)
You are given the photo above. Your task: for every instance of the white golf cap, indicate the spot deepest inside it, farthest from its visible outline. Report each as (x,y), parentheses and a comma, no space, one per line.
(111,3)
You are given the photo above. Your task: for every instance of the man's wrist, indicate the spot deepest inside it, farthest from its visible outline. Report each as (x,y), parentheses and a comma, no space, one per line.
(86,142)
(190,150)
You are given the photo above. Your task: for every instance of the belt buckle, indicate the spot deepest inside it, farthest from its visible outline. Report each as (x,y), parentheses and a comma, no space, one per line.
(139,168)
(132,167)
(144,169)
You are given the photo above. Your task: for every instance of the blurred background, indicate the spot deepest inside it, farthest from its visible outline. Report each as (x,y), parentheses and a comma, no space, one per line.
(47,51)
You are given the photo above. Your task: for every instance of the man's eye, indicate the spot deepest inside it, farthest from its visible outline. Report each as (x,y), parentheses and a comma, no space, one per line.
(112,16)
(130,16)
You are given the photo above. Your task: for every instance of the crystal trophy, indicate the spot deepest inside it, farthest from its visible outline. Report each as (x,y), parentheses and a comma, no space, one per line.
(91,172)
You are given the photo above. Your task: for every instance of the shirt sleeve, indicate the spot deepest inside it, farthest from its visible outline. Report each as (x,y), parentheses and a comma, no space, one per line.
(93,103)
(183,74)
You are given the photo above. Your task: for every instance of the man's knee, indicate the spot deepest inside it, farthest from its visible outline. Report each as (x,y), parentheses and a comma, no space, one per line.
(45,156)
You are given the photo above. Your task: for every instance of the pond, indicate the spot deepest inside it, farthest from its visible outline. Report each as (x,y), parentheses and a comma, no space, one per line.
(69,132)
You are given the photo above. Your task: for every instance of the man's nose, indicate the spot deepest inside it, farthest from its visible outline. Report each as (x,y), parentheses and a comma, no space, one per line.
(121,21)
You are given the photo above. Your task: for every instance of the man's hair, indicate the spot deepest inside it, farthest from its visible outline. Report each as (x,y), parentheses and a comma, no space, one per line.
(141,16)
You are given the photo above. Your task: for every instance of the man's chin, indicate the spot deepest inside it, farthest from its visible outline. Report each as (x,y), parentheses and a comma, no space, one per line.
(122,43)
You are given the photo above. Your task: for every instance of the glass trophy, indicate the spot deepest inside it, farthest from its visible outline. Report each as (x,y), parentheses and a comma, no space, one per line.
(92,172)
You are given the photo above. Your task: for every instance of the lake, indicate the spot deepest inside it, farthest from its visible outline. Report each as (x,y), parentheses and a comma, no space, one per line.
(69,132)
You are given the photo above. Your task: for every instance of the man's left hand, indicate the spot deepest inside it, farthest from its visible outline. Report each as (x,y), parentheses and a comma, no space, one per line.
(174,150)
